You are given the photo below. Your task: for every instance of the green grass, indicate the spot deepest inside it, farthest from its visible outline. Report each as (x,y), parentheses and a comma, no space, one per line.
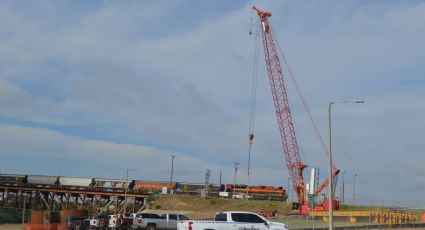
(201,208)
(299,222)
(10,227)
(10,216)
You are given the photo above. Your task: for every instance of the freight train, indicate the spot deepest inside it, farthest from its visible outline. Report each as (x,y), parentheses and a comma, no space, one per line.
(139,186)
(78,183)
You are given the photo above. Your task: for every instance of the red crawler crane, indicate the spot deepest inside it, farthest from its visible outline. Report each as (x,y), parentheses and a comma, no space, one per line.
(281,103)
(284,117)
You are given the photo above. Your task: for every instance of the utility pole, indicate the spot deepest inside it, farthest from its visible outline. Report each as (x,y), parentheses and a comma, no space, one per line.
(343,187)
(126,184)
(207,180)
(172,171)
(292,194)
(23,211)
(354,187)
(236,169)
(287,189)
(220,177)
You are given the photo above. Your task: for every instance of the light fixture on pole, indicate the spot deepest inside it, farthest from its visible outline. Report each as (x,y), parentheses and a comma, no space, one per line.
(126,187)
(330,195)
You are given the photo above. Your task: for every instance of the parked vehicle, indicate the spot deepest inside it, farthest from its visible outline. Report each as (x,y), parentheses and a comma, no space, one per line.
(75,222)
(114,222)
(126,221)
(233,220)
(172,219)
(153,221)
(85,225)
(99,222)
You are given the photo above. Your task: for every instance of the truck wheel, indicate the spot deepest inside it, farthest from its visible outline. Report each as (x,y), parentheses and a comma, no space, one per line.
(151,227)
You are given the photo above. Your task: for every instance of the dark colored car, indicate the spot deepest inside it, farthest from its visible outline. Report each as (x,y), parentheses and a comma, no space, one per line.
(75,222)
(86,224)
(126,221)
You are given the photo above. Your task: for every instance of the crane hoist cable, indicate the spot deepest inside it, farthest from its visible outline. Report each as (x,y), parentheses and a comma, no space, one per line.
(253,94)
(282,110)
(313,122)
(294,80)
(291,151)
(250,26)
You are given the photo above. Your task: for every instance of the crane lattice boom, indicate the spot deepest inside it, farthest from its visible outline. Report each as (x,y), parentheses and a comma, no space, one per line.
(281,103)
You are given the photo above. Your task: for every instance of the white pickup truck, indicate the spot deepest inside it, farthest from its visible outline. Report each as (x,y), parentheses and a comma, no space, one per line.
(152,221)
(233,220)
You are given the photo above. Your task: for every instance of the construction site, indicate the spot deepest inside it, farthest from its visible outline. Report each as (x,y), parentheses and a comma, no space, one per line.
(309,197)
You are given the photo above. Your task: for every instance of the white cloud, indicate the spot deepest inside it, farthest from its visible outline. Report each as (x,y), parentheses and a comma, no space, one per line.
(52,147)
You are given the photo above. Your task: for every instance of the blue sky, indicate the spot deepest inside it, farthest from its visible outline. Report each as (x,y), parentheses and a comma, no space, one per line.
(92,88)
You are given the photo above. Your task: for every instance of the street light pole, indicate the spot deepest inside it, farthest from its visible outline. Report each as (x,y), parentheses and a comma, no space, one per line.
(330,195)
(172,172)
(125,190)
(330,199)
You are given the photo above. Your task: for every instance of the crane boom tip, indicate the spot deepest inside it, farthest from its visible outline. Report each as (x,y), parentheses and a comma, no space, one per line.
(262,13)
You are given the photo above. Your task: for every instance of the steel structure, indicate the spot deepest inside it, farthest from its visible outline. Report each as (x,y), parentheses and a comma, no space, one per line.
(281,103)
(57,199)
(284,117)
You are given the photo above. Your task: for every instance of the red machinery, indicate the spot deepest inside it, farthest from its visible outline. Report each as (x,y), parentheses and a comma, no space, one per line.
(284,118)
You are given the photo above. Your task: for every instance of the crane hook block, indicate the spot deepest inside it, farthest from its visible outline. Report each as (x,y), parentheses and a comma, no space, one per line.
(251,138)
